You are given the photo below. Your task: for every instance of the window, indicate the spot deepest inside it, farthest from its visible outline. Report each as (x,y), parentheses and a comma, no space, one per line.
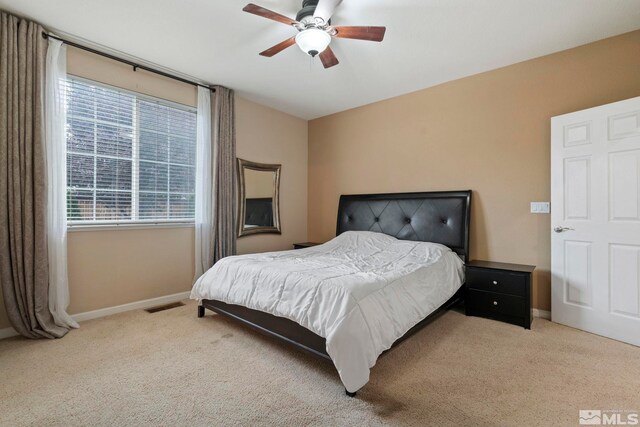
(130,157)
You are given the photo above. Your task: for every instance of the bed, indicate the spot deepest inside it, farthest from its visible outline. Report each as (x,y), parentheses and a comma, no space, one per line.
(395,264)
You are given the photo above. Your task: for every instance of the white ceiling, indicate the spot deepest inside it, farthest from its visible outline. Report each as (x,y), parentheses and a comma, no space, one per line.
(427,41)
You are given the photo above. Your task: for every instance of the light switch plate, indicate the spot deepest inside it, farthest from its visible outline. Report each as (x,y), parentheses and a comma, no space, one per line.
(540,207)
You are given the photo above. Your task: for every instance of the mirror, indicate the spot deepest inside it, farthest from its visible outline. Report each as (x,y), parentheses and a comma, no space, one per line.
(259,185)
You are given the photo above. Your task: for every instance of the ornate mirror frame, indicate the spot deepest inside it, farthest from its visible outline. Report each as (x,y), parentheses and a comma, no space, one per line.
(261,167)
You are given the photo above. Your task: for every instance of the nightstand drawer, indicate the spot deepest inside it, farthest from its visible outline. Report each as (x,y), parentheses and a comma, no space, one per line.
(499,291)
(488,303)
(496,281)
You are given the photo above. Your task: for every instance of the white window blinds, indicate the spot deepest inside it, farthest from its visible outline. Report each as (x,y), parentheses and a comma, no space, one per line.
(131,158)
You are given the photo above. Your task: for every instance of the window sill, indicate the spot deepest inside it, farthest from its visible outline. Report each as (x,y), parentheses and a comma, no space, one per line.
(132,226)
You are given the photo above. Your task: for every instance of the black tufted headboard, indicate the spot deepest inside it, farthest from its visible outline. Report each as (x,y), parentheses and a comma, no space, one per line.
(439,217)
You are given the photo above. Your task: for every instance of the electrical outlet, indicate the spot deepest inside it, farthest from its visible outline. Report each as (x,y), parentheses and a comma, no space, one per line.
(540,207)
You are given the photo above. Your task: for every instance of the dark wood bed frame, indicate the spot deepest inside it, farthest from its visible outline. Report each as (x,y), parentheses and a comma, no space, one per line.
(438,217)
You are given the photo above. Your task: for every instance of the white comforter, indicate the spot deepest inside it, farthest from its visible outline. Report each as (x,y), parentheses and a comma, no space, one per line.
(360,291)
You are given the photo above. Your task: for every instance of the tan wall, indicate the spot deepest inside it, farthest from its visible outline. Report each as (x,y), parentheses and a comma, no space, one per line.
(108,268)
(488,132)
(114,267)
(269,136)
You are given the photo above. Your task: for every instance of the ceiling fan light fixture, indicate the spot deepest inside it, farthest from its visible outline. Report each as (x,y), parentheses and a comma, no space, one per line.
(313,41)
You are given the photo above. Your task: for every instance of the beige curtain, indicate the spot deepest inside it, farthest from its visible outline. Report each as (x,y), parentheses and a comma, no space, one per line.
(223,141)
(24,273)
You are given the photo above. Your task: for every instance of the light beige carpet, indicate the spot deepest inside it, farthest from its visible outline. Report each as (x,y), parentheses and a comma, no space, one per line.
(171,368)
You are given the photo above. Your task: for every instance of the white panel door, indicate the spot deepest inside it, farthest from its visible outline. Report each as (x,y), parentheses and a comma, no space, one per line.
(595,219)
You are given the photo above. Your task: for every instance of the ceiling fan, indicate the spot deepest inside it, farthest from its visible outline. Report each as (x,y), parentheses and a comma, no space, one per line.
(315,31)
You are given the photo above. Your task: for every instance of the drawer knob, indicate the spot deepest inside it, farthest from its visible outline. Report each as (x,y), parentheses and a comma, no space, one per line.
(495,303)
(495,282)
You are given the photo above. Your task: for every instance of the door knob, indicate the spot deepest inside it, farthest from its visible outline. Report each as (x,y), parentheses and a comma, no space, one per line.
(559,229)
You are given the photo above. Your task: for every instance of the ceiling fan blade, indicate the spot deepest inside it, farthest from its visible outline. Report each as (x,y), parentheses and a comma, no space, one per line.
(328,58)
(269,14)
(279,47)
(325,9)
(374,34)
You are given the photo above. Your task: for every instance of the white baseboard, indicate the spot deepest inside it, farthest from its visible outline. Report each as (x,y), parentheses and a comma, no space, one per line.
(137,305)
(7,333)
(102,312)
(167,299)
(543,314)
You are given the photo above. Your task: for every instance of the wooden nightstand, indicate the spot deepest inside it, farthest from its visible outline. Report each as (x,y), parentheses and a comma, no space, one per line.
(304,245)
(499,291)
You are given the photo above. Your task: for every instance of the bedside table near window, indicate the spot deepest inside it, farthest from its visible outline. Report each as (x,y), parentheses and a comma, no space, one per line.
(499,291)
(305,245)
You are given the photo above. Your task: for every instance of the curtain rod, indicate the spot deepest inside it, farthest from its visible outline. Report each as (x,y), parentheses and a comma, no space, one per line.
(125,61)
